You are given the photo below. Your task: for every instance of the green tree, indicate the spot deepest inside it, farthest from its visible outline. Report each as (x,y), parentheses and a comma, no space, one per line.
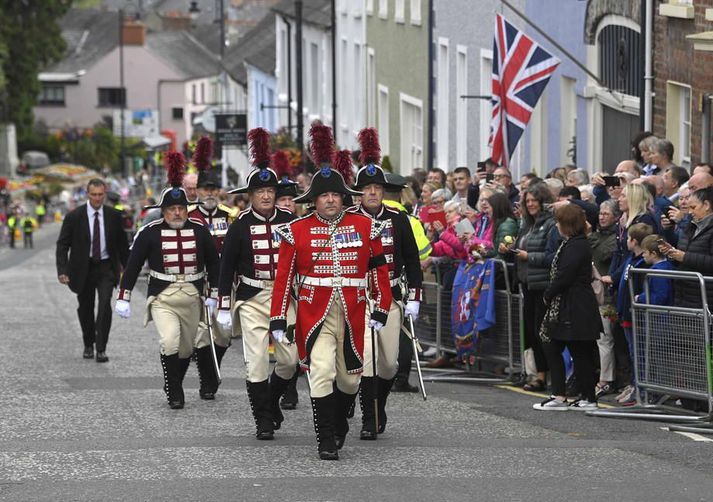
(30,39)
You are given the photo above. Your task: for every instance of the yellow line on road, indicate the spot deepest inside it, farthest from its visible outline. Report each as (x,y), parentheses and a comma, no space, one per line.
(538,394)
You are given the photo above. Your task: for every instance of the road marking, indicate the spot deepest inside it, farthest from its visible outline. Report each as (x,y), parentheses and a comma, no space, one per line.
(539,394)
(691,435)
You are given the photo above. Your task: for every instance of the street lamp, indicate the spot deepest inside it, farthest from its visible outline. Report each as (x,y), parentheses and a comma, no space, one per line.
(122,91)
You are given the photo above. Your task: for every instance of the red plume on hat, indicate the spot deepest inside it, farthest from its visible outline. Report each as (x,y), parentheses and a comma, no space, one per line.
(322,145)
(203,154)
(281,164)
(259,140)
(343,164)
(176,166)
(369,143)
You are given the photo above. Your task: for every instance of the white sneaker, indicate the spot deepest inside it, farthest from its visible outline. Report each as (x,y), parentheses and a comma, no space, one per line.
(583,405)
(629,396)
(625,392)
(551,404)
(429,352)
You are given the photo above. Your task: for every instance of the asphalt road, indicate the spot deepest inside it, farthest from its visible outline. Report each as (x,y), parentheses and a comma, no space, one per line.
(72,429)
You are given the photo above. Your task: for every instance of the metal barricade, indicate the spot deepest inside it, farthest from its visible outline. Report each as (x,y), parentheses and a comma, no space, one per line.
(672,354)
(499,346)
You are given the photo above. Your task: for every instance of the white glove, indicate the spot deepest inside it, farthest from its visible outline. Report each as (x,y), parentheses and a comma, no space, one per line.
(212,304)
(225,319)
(412,308)
(375,324)
(278,335)
(123,309)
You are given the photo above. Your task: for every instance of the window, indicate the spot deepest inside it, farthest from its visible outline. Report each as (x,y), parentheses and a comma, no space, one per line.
(399,11)
(384,9)
(344,82)
(51,95)
(442,106)
(678,121)
(411,134)
(358,95)
(194,94)
(384,119)
(202,92)
(461,106)
(682,9)
(416,12)
(371,88)
(370,7)
(177,113)
(112,96)
(316,77)
(568,120)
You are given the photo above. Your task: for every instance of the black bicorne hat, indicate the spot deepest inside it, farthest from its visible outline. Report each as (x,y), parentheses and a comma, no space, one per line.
(287,188)
(172,196)
(258,178)
(326,180)
(370,173)
(209,178)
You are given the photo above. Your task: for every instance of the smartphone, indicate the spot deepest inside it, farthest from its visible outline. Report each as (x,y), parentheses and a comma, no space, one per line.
(666,209)
(481,167)
(662,242)
(489,178)
(611,181)
(513,250)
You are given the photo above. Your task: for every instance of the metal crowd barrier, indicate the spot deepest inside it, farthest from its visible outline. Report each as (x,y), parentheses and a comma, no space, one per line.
(500,346)
(672,357)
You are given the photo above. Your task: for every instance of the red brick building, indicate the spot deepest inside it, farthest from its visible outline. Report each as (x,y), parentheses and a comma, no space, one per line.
(683,74)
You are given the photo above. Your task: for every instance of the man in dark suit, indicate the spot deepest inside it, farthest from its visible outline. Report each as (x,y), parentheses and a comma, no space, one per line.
(93,237)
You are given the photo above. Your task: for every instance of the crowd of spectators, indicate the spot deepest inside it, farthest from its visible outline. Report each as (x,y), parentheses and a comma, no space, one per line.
(570,240)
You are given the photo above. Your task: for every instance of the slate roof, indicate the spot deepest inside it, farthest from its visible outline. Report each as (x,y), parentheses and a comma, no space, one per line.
(256,47)
(316,12)
(182,52)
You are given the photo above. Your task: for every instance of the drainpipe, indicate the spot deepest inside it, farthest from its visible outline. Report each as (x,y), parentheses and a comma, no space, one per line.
(648,7)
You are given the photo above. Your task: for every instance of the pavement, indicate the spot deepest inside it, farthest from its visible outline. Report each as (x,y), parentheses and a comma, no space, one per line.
(72,429)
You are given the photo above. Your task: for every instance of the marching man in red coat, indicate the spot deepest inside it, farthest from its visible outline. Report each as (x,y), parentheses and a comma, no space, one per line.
(335,259)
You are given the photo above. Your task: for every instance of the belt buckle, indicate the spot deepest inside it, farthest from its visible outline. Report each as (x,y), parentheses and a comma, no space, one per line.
(180,277)
(337,281)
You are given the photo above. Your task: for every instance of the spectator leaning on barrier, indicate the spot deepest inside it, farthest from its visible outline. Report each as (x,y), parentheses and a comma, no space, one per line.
(533,252)
(572,317)
(695,250)
(660,288)
(634,259)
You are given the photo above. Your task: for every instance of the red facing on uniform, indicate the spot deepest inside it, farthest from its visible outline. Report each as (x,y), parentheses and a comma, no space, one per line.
(358,254)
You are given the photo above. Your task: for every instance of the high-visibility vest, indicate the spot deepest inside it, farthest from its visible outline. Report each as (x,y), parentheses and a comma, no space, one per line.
(422,242)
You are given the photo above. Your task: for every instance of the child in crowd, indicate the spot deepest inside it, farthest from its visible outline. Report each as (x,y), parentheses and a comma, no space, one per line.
(660,288)
(634,259)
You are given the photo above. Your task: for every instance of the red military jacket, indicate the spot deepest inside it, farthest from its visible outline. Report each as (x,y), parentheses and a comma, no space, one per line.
(331,261)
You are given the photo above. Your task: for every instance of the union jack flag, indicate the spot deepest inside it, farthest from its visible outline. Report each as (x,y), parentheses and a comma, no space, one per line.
(521,70)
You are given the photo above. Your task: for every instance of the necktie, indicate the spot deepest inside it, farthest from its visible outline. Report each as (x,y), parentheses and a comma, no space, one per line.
(96,240)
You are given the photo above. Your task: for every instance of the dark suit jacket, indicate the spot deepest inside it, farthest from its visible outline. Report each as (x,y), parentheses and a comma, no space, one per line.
(74,240)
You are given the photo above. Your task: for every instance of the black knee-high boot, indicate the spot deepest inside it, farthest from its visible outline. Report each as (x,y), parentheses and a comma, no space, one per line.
(344,403)
(278,386)
(384,390)
(323,409)
(260,403)
(172,379)
(366,400)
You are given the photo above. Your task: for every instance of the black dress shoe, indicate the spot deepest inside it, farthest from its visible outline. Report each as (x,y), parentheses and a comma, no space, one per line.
(329,455)
(288,404)
(88,353)
(266,435)
(175,405)
(208,396)
(102,357)
(403,386)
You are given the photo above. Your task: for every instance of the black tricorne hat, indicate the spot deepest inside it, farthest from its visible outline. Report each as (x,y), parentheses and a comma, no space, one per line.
(326,180)
(258,178)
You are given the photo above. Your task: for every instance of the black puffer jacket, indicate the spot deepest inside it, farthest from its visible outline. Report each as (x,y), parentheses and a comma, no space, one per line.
(698,258)
(542,243)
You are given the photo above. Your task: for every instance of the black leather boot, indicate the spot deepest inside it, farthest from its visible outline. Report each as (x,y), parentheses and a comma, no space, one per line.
(323,410)
(206,373)
(368,412)
(384,390)
(289,398)
(277,389)
(260,403)
(344,402)
(172,381)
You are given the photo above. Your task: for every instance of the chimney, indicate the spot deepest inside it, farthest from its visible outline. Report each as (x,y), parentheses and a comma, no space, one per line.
(134,32)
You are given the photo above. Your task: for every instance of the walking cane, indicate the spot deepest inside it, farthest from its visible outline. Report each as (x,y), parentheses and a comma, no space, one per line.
(375,379)
(416,350)
(209,323)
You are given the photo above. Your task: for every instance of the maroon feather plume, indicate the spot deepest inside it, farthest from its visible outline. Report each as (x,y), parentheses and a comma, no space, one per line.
(259,140)
(369,143)
(176,166)
(281,164)
(203,154)
(343,164)
(322,145)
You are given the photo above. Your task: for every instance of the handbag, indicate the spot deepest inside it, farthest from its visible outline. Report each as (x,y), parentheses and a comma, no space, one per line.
(597,285)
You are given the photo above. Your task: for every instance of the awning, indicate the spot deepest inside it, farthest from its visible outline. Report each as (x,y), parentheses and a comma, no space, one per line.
(156,141)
